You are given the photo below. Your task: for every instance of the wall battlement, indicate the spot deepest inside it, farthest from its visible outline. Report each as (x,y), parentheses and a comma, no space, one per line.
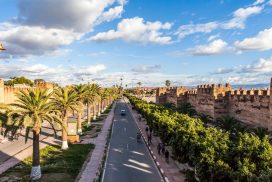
(8,93)
(253,106)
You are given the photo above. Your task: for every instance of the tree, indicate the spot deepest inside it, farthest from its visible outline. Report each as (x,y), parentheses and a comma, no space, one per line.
(64,100)
(216,154)
(82,91)
(167,83)
(38,80)
(186,108)
(31,109)
(169,105)
(90,98)
(103,97)
(228,123)
(18,80)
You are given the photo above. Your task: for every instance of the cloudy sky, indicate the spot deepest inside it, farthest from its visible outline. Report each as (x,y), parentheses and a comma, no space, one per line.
(186,41)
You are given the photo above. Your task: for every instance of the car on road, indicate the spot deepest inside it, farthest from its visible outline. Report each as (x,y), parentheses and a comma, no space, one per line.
(123,112)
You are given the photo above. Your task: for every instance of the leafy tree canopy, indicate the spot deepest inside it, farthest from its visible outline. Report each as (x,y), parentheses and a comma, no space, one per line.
(18,80)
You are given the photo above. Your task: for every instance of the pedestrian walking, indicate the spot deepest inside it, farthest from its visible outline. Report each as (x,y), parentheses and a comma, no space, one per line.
(150,130)
(149,139)
(163,148)
(159,148)
(166,156)
(146,130)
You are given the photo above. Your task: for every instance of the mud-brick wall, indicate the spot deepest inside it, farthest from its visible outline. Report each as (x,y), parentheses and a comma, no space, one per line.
(221,106)
(10,93)
(171,98)
(205,104)
(251,109)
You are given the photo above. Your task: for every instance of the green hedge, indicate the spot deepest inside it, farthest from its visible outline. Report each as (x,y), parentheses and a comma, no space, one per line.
(215,155)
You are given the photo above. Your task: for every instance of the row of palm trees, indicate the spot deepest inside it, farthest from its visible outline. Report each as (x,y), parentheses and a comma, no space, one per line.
(34,106)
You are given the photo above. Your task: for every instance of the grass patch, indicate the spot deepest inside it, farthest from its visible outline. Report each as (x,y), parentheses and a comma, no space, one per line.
(56,164)
(86,127)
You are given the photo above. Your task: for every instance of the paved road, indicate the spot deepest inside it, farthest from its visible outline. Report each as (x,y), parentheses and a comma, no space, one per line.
(128,160)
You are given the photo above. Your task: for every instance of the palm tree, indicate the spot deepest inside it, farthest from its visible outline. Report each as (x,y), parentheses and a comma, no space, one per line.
(228,123)
(91,98)
(139,88)
(64,100)
(31,108)
(103,98)
(205,118)
(186,108)
(82,91)
(167,83)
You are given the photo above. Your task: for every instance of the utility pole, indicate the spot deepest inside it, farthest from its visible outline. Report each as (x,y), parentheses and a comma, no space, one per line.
(2,48)
(121,81)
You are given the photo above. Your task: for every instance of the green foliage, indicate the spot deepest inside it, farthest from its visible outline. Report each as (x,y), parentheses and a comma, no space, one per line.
(187,108)
(167,83)
(55,160)
(217,154)
(18,80)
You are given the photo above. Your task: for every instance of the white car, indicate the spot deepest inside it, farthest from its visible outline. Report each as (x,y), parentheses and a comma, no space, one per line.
(123,112)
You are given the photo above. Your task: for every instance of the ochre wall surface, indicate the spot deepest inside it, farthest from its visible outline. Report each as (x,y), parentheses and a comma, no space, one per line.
(253,107)
(8,93)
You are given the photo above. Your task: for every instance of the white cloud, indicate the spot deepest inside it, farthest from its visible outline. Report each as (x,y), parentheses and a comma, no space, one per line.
(262,41)
(237,22)
(136,30)
(240,16)
(61,74)
(111,14)
(27,40)
(79,16)
(215,47)
(223,70)
(146,69)
(186,30)
(213,37)
(92,70)
(262,65)
(45,26)
(270,2)
(258,2)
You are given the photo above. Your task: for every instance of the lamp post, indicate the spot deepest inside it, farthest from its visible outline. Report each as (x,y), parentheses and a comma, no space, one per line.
(2,48)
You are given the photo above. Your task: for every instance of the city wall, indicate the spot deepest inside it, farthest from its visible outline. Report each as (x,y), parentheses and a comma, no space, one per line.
(8,93)
(253,107)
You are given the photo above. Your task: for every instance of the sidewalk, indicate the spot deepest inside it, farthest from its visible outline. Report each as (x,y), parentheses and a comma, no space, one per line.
(91,169)
(170,170)
(19,157)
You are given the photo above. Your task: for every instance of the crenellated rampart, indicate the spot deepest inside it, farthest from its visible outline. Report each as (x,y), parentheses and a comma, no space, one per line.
(8,93)
(253,107)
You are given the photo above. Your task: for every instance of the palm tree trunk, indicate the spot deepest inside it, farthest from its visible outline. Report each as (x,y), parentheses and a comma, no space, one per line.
(99,109)
(36,168)
(64,133)
(79,130)
(89,113)
(94,111)
(101,106)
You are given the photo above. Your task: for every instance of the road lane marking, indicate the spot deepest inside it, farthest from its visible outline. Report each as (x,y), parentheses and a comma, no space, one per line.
(139,163)
(135,152)
(140,169)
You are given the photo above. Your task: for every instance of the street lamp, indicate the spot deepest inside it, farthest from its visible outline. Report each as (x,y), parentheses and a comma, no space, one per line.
(2,48)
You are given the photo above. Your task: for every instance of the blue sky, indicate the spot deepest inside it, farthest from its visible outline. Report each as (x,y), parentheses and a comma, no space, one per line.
(189,42)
